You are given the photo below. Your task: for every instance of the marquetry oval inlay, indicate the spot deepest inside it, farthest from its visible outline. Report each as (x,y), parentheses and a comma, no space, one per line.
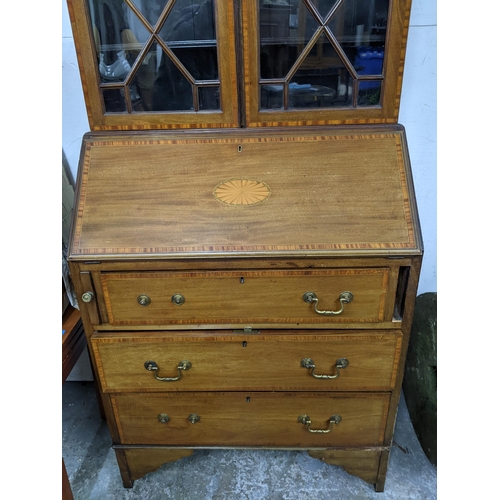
(241,192)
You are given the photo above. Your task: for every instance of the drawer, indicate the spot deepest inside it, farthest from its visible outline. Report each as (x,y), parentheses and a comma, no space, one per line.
(246,297)
(357,361)
(251,419)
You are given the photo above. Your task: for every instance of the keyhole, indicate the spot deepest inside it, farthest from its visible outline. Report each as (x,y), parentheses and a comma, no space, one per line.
(244,343)
(248,400)
(240,148)
(242,280)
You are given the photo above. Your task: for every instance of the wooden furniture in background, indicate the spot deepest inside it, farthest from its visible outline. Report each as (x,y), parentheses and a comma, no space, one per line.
(73,340)
(73,344)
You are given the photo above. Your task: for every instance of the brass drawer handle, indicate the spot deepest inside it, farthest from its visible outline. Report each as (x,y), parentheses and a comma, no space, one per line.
(334,419)
(153,367)
(345,298)
(339,364)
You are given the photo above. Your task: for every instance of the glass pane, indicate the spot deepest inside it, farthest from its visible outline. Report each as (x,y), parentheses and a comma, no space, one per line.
(369,61)
(361,25)
(189,31)
(114,101)
(201,62)
(145,77)
(171,91)
(116,44)
(271,96)
(157,84)
(151,9)
(284,32)
(322,80)
(369,93)
(324,6)
(209,98)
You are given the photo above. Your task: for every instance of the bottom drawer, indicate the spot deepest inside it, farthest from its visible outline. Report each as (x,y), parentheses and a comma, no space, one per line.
(252,419)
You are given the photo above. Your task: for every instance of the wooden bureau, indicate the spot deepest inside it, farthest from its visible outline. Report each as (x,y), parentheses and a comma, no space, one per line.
(248,288)
(245,243)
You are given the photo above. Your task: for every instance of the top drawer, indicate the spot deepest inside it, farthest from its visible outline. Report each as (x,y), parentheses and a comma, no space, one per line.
(247,297)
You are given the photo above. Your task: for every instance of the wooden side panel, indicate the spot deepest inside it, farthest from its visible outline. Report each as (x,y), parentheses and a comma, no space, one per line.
(251,418)
(88,286)
(245,297)
(246,362)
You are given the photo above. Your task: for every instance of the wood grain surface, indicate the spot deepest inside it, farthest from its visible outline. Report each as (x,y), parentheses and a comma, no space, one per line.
(363,464)
(225,361)
(251,418)
(143,461)
(337,194)
(245,297)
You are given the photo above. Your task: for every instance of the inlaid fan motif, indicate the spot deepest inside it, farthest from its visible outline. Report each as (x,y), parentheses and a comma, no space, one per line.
(241,192)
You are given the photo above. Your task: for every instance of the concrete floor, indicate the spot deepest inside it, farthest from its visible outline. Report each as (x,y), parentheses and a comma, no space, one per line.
(229,474)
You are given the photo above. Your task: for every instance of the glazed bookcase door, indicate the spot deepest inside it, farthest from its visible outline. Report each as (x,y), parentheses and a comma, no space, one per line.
(319,62)
(153,64)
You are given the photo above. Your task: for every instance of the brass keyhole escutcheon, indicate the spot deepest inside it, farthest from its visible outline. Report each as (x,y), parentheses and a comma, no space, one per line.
(87,296)
(178,299)
(193,418)
(144,300)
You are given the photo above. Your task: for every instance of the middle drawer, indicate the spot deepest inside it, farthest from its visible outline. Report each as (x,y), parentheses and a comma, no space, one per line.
(285,361)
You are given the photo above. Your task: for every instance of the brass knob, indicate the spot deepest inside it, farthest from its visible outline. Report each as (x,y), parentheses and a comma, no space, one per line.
(87,296)
(163,418)
(193,418)
(178,299)
(144,300)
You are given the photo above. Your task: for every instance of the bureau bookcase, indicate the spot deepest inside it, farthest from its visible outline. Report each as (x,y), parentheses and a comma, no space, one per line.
(245,244)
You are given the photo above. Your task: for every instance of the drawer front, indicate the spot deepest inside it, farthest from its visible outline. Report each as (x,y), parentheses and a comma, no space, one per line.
(251,419)
(351,361)
(245,297)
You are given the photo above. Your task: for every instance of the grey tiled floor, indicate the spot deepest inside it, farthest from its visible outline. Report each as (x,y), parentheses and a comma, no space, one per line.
(230,474)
